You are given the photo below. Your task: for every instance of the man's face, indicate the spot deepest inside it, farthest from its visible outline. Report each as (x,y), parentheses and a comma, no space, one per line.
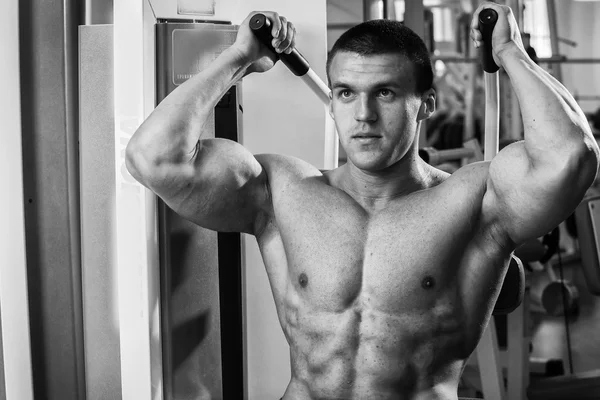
(375,107)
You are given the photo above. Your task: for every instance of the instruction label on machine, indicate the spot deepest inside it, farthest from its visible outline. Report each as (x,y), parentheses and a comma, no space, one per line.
(194,49)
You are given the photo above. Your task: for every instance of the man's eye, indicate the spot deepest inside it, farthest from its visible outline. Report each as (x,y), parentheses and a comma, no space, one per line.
(345,93)
(385,93)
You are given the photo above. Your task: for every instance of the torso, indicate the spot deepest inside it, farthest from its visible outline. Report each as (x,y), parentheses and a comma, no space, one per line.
(385,304)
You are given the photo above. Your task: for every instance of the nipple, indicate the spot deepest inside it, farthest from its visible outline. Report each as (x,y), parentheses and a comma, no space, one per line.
(428,282)
(303,279)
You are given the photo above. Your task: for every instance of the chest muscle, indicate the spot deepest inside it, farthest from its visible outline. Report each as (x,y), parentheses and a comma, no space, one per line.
(339,255)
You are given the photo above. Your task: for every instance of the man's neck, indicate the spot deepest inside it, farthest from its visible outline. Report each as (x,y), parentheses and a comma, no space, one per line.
(375,189)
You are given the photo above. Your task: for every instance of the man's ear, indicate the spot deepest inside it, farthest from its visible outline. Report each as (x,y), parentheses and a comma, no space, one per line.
(427,105)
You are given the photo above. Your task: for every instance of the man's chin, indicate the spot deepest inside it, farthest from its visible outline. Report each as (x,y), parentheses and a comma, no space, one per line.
(369,164)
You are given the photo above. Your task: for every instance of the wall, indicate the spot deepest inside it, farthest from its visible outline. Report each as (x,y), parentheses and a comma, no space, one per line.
(289,121)
(2,384)
(341,14)
(580,21)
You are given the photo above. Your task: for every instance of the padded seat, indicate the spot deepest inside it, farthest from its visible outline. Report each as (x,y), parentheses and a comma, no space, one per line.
(513,288)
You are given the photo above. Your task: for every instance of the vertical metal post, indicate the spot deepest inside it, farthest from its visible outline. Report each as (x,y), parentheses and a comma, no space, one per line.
(136,218)
(15,354)
(518,351)
(414,14)
(515,128)
(414,18)
(98,12)
(373,9)
(469,132)
(48,57)
(488,359)
(553,27)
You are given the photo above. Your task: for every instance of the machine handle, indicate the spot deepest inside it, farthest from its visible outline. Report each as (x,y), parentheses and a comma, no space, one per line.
(487,20)
(261,26)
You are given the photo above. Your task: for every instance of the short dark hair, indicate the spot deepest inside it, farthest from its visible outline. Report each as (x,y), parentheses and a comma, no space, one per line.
(384,36)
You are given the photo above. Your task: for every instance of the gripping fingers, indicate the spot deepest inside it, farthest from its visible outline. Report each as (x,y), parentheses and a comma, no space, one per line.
(275,23)
(281,34)
(285,36)
(286,45)
(292,35)
(476,35)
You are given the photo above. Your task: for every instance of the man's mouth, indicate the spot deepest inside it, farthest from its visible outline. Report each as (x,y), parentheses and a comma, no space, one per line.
(366,137)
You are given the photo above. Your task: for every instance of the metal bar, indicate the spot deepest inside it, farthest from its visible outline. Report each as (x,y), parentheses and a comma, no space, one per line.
(331,156)
(136,220)
(48,56)
(97,12)
(73,15)
(342,25)
(372,9)
(568,42)
(492,120)
(15,355)
(414,18)
(488,359)
(433,156)
(227,120)
(549,60)
(553,26)
(319,88)
(455,154)
(587,97)
(469,132)
(518,350)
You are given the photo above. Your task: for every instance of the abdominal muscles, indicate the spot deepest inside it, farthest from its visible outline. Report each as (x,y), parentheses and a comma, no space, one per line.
(360,352)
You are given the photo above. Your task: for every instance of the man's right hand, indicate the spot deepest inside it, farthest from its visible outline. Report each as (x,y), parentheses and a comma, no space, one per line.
(251,50)
(505,35)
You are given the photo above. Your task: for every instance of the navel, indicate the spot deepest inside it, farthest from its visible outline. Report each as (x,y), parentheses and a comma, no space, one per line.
(428,282)
(303,280)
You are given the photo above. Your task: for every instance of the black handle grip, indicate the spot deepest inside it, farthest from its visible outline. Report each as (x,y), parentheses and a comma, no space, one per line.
(261,26)
(487,20)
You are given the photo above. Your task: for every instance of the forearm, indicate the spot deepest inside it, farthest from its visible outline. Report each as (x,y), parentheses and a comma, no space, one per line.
(172,130)
(554,124)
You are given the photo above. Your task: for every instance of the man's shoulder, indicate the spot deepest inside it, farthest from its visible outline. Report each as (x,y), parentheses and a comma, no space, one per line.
(469,186)
(471,176)
(282,169)
(284,175)
(463,191)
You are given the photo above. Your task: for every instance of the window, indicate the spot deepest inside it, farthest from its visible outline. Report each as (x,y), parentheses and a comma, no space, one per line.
(535,22)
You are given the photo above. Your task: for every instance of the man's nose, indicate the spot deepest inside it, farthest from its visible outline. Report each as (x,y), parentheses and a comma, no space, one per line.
(365,110)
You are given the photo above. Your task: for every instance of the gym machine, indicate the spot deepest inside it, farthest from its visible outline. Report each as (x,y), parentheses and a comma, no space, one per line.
(582,385)
(470,152)
(92,294)
(190,332)
(205,343)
